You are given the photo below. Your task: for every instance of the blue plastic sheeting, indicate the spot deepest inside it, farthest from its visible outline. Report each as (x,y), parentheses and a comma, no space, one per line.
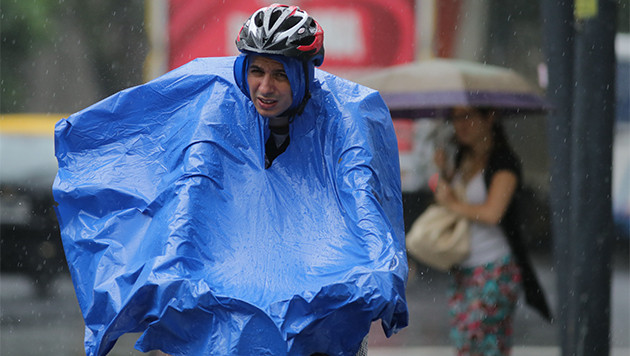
(173,228)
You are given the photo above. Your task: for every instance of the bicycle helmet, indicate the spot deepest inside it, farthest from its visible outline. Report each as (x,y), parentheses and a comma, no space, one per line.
(283,30)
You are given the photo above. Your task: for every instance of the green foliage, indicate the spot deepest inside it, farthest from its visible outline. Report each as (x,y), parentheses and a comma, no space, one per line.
(116,40)
(105,40)
(24,25)
(30,17)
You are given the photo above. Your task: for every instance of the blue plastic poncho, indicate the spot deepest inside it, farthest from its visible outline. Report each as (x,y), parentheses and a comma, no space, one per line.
(173,228)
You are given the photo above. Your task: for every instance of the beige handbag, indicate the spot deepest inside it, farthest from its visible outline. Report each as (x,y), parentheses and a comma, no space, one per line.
(439,238)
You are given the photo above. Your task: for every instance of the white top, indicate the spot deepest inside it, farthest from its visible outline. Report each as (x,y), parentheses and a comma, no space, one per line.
(488,243)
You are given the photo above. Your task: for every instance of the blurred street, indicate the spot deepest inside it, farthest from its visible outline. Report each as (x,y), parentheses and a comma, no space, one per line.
(53,326)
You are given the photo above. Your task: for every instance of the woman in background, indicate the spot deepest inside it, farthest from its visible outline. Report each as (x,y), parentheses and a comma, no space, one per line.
(485,286)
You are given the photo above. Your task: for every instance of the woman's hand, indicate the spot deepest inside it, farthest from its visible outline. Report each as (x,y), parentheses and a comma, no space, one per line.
(440,159)
(444,194)
(491,211)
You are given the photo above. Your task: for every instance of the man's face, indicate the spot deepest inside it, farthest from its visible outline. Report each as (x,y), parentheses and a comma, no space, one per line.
(269,86)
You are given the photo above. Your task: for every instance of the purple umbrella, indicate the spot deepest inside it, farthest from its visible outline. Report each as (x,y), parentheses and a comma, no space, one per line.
(426,88)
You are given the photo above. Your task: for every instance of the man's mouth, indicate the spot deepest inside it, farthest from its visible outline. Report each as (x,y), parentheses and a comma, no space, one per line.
(267,102)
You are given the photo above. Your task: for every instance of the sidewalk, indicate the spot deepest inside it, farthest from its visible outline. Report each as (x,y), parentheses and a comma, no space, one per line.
(447,351)
(37,327)
(428,329)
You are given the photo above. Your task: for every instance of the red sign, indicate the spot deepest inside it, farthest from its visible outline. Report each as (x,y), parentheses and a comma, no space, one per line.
(406,134)
(357,33)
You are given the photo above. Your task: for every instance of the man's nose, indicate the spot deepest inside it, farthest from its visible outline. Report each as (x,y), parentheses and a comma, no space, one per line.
(266,83)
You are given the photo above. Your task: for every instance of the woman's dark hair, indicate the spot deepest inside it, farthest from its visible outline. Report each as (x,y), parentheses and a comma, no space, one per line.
(498,133)
(500,140)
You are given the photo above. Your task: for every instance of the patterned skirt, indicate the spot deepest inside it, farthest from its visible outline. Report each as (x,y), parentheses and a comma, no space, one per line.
(482,301)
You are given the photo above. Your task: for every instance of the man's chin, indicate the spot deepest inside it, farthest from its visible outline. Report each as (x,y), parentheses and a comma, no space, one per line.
(267,112)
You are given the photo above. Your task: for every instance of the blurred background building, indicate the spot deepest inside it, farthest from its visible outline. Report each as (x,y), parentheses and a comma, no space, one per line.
(61,56)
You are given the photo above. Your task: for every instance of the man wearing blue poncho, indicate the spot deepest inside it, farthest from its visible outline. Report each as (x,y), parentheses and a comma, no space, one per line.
(218,223)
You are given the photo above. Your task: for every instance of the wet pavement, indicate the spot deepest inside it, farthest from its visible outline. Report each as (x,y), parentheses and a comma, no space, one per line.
(33,326)
(427,333)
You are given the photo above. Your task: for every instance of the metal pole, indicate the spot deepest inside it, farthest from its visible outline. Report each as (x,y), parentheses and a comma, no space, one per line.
(591,160)
(581,66)
(156,17)
(558,43)
(425,29)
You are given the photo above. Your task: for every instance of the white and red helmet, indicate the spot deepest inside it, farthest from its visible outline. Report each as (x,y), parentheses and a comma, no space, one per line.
(283,30)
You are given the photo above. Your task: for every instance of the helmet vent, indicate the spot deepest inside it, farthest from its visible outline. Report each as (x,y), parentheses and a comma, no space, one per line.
(305,41)
(258,20)
(290,22)
(274,17)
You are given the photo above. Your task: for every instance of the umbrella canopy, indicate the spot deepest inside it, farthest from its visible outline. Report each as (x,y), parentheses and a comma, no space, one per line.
(426,88)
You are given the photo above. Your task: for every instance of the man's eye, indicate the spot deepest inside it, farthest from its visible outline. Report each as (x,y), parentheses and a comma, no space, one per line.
(282,76)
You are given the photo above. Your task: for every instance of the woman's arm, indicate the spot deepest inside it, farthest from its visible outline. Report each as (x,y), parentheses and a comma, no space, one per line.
(500,193)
